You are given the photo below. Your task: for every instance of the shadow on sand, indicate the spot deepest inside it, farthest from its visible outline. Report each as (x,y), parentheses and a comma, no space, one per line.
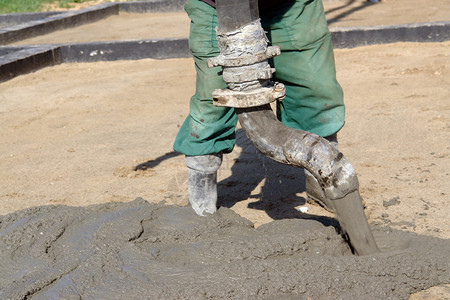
(346,10)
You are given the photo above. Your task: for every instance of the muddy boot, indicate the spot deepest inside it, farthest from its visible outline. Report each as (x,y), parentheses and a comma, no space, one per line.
(202,182)
(314,193)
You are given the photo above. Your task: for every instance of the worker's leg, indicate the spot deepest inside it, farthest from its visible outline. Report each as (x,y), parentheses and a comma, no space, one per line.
(314,99)
(208,130)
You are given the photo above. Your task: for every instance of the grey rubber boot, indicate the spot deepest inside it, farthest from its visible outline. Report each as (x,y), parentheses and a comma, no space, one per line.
(202,182)
(314,193)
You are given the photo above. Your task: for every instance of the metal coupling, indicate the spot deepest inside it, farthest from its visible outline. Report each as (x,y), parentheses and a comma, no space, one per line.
(244,57)
(226,61)
(249,98)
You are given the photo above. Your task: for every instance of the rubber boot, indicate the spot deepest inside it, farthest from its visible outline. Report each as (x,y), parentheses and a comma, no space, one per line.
(202,182)
(314,193)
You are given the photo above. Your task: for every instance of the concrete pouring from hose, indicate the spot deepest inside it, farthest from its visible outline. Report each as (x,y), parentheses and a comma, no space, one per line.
(244,55)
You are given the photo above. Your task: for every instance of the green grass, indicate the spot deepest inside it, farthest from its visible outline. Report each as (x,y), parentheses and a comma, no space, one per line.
(19,6)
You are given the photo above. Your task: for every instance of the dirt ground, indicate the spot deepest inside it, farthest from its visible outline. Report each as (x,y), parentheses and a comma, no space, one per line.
(164,25)
(79,134)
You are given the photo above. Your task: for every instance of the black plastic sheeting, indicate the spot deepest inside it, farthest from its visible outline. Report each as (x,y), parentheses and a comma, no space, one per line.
(350,37)
(7,20)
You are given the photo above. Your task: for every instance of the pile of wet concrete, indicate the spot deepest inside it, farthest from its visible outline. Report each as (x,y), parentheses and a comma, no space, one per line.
(140,250)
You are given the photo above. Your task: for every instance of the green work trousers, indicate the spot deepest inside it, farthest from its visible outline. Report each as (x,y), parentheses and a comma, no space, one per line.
(314,99)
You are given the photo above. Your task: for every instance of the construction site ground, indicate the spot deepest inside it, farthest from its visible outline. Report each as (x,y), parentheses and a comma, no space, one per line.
(87,133)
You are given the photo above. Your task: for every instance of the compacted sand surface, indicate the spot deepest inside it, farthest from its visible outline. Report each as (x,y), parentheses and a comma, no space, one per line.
(89,138)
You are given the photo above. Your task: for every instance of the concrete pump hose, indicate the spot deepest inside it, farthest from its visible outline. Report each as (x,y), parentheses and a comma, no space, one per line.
(328,165)
(300,149)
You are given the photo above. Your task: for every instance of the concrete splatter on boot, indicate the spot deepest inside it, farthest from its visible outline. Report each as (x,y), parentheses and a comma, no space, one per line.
(202,182)
(314,193)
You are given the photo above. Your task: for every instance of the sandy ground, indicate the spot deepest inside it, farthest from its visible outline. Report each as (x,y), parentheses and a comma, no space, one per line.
(75,133)
(79,134)
(165,25)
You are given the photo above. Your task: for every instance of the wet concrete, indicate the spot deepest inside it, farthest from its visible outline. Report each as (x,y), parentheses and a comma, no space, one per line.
(140,250)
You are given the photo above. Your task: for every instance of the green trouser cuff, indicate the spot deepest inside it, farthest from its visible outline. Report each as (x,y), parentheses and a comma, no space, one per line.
(207,129)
